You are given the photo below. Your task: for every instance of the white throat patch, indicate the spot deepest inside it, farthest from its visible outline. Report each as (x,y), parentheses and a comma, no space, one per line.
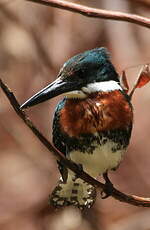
(75,94)
(104,86)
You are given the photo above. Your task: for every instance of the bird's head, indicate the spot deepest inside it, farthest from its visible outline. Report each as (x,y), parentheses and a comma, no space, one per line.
(83,74)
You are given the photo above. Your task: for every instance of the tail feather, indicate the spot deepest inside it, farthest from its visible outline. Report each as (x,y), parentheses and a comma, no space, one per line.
(74,192)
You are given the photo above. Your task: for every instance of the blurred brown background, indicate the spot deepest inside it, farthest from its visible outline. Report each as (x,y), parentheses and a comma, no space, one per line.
(35,41)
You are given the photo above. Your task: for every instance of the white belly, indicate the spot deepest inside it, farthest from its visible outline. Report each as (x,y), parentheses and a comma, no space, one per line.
(101,160)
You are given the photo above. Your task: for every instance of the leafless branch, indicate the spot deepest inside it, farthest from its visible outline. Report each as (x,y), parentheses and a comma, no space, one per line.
(96,13)
(131,199)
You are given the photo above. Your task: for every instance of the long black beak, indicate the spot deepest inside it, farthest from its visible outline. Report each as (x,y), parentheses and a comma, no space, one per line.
(58,87)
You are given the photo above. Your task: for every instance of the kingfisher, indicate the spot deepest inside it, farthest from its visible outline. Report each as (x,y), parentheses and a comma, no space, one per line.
(92,124)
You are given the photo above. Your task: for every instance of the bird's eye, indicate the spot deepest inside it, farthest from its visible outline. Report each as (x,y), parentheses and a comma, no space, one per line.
(80,73)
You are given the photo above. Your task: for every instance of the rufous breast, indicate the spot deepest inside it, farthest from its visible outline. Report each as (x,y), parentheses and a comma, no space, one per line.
(101,111)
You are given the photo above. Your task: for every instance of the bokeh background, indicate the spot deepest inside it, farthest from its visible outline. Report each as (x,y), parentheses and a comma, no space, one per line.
(35,41)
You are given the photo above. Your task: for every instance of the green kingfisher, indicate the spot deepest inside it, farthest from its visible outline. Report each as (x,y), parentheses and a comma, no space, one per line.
(92,124)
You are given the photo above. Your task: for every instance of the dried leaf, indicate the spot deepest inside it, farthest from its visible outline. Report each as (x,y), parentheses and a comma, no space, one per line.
(143,78)
(124,82)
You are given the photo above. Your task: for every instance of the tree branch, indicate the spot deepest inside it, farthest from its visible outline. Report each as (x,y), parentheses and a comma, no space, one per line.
(96,13)
(131,199)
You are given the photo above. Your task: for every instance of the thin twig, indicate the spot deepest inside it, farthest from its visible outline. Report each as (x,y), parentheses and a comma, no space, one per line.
(96,13)
(131,199)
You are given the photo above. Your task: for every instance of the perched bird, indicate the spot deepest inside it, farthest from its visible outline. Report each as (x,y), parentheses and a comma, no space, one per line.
(92,123)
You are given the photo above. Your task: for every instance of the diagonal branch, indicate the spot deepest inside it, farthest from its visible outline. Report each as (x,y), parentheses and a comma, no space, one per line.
(96,13)
(131,199)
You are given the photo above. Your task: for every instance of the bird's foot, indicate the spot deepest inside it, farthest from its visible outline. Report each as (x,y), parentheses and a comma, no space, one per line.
(108,187)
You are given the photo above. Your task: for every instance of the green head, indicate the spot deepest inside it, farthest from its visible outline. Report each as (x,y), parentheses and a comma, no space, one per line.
(81,75)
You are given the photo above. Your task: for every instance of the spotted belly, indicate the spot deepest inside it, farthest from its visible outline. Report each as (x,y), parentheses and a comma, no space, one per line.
(104,157)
